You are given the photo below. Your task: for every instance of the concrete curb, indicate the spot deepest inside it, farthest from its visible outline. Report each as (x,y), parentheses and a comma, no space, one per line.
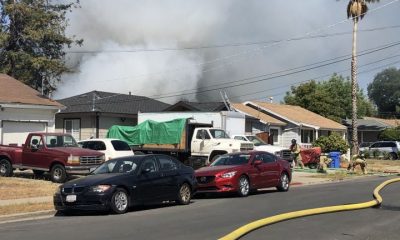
(26,200)
(27,216)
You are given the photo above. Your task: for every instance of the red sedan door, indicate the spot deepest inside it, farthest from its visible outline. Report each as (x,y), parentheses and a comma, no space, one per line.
(270,169)
(257,173)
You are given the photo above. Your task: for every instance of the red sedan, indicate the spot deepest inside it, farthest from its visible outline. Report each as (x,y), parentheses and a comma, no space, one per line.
(244,171)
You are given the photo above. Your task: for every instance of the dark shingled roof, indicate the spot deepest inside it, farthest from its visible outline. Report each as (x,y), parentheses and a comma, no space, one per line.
(367,124)
(197,106)
(107,102)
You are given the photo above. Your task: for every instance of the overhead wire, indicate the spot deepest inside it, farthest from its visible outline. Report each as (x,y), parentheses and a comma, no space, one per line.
(258,49)
(386,46)
(308,80)
(332,60)
(229,44)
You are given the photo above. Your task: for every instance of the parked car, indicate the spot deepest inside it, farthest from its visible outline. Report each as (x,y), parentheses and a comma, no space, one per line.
(260,145)
(56,153)
(391,147)
(112,148)
(243,172)
(123,182)
(364,146)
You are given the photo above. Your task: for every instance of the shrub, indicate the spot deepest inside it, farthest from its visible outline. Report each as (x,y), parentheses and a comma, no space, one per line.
(333,142)
(367,154)
(376,153)
(390,134)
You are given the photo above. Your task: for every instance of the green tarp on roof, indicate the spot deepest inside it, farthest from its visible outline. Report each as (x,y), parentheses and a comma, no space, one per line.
(150,132)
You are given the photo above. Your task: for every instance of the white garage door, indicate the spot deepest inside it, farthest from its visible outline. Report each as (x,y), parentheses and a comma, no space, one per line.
(16,132)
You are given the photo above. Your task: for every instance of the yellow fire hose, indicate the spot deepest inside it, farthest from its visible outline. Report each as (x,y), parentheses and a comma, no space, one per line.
(236,234)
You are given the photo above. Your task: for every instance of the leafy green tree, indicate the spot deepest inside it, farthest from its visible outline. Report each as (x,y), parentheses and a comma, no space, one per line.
(32,41)
(331,99)
(390,134)
(385,91)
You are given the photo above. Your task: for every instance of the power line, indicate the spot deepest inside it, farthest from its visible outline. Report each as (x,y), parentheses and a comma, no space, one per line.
(332,60)
(321,76)
(282,75)
(258,49)
(230,44)
(264,79)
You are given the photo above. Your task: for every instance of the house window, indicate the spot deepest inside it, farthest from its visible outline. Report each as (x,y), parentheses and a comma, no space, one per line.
(274,132)
(73,127)
(307,136)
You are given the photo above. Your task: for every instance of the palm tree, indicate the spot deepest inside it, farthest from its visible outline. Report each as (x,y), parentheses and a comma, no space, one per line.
(356,9)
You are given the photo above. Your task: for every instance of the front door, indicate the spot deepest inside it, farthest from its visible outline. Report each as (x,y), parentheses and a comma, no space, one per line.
(35,155)
(169,171)
(270,169)
(151,183)
(201,142)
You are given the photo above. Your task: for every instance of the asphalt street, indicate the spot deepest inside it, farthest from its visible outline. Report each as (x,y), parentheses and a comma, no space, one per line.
(213,217)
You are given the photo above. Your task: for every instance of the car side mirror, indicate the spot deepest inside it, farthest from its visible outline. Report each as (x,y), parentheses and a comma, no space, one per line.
(257,162)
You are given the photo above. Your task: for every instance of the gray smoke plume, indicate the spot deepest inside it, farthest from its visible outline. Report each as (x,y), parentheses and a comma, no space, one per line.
(129,45)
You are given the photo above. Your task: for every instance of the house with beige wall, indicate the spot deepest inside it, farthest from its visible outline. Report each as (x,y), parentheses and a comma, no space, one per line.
(287,122)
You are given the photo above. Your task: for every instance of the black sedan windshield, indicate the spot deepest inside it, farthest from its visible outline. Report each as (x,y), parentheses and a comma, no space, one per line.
(120,165)
(236,159)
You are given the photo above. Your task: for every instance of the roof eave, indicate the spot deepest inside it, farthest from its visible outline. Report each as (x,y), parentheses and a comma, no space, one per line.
(272,112)
(32,106)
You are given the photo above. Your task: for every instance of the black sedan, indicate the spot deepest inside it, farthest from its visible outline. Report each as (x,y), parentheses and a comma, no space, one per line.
(123,182)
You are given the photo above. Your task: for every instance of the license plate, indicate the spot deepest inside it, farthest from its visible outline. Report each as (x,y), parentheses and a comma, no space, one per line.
(71,198)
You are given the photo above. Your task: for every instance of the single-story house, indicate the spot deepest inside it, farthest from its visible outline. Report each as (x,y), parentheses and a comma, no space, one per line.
(23,110)
(287,122)
(369,128)
(91,114)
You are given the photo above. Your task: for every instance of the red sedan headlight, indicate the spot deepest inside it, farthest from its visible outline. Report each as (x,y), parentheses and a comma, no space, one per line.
(228,174)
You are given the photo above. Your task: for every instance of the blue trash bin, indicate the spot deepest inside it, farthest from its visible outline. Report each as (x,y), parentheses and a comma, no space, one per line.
(335,156)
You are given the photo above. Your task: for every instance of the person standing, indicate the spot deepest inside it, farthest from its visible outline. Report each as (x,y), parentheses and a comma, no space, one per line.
(295,149)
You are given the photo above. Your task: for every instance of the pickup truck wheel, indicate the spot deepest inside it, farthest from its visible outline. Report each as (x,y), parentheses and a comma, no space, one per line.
(119,201)
(58,174)
(6,169)
(184,194)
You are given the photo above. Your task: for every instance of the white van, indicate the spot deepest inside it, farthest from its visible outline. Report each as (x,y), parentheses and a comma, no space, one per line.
(112,148)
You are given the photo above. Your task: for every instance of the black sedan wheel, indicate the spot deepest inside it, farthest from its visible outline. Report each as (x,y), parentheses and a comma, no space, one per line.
(6,169)
(244,186)
(283,183)
(184,194)
(119,201)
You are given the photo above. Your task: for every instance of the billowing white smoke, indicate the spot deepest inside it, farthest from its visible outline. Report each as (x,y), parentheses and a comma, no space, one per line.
(114,29)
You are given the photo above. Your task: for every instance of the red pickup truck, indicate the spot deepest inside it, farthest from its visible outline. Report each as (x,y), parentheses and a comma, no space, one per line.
(56,153)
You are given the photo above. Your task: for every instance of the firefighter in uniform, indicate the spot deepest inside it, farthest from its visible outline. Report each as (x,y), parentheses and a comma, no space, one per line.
(295,149)
(324,161)
(358,159)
